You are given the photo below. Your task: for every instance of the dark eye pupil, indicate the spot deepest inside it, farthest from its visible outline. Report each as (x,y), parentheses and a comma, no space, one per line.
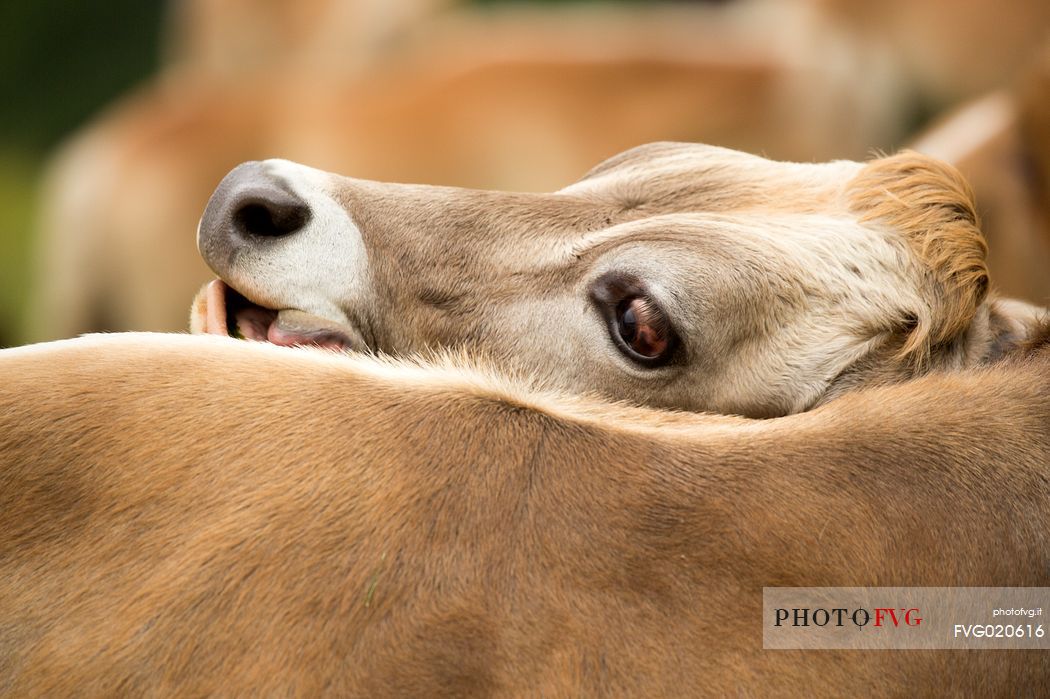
(628,322)
(641,328)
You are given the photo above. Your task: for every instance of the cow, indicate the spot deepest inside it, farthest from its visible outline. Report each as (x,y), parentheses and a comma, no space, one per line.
(674,275)
(190,514)
(195,515)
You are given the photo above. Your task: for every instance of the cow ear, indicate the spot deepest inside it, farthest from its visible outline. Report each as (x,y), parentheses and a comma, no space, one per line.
(932,206)
(1016,327)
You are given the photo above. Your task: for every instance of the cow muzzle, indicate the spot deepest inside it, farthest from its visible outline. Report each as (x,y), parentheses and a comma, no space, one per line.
(291,262)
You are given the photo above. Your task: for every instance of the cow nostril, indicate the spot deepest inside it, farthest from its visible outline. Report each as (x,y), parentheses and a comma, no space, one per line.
(271,217)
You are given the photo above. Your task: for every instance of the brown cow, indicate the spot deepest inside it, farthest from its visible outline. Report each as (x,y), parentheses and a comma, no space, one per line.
(190,515)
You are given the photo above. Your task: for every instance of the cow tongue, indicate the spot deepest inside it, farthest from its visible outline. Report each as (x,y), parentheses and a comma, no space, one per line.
(253,322)
(292,327)
(220,310)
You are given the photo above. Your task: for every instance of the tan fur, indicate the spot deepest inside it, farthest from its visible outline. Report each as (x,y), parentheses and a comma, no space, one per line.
(232,39)
(197,516)
(786,283)
(999,142)
(931,204)
(949,50)
(1033,96)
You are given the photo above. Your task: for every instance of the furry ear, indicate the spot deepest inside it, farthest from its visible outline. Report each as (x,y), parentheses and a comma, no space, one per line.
(1016,327)
(933,207)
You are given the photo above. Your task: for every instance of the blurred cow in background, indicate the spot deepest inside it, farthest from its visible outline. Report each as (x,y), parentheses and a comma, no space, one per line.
(946,50)
(507,98)
(1001,142)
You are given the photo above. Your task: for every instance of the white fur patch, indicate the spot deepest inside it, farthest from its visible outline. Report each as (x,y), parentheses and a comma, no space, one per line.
(320,269)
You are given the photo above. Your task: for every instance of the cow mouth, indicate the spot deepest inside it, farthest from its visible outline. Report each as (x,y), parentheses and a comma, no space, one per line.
(219,309)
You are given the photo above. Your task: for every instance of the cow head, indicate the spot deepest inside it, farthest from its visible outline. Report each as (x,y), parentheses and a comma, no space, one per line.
(674,275)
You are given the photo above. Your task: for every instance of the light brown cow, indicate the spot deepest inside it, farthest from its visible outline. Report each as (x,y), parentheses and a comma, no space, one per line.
(1001,143)
(190,515)
(950,50)
(674,275)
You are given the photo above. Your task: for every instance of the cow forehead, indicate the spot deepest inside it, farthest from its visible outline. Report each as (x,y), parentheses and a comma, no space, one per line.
(663,154)
(690,176)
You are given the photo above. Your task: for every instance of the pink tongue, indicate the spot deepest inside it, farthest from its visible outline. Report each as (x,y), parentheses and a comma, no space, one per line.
(253,323)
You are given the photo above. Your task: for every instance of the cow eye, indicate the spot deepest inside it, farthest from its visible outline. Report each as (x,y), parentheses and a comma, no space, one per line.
(643,328)
(638,325)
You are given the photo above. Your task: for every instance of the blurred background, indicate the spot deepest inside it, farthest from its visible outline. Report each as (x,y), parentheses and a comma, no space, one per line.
(123,115)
